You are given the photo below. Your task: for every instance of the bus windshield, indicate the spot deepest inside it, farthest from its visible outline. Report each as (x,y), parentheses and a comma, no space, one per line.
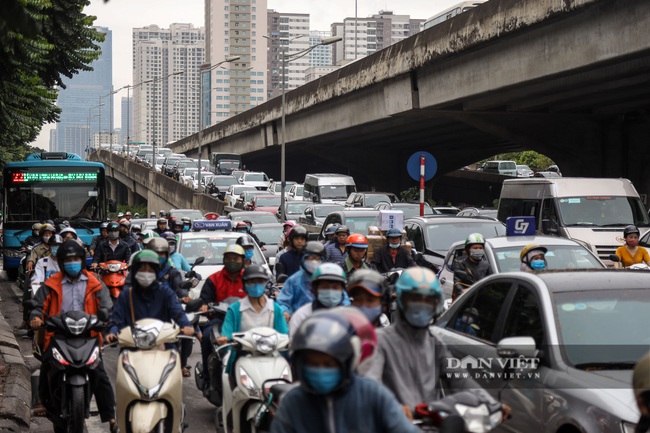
(602,211)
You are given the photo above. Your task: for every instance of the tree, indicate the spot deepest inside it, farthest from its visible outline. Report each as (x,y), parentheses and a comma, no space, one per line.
(536,161)
(41,41)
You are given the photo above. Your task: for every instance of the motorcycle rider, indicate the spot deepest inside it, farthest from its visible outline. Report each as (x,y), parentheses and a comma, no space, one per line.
(290,262)
(102,236)
(393,255)
(336,252)
(296,291)
(328,286)
(630,253)
(325,352)
(330,234)
(246,242)
(125,235)
(128,216)
(46,232)
(74,289)
(286,228)
(533,258)
(368,292)
(152,215)
(641,386)
(112,248)
(178,260)
(35,237)
(161,226)
(356,247)
(410,359)
(177,226)
(48,265)
(471,267)
(249,225)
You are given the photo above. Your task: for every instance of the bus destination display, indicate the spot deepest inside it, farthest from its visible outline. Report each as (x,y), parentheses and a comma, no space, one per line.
(28,177)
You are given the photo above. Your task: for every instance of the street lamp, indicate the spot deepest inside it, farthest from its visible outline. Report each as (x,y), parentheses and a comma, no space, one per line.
(155,80)
(285,59)
(97,115)
(110,104)
(128,109)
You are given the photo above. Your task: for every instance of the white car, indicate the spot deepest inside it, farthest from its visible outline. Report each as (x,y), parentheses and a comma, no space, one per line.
(295,192)
(186,176)
(193,182)
(257,179)
(233,193)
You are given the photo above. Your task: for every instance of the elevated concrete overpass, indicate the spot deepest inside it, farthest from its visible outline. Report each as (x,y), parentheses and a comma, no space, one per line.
(567,78)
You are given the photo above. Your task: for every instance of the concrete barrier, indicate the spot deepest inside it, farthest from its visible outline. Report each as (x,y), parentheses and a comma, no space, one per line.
(15,384)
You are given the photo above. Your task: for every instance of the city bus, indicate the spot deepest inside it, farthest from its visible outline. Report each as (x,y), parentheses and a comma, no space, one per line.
(55,186)
(451,12)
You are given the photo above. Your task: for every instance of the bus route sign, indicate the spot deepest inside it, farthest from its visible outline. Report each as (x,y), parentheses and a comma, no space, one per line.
(29,177)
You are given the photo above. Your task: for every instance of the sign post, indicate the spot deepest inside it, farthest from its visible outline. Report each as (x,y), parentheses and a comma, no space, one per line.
(422,166)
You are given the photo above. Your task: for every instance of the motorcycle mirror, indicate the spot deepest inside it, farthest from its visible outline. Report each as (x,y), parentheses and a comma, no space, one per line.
(190,274)
(614,258)
(198,261)
(103,315)
(186,284)
(194,305)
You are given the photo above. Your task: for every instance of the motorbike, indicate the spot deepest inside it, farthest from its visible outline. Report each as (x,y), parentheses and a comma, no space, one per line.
(253,365)
(113,274)
(75,354)
(459,413)
(637,266)
(149,384)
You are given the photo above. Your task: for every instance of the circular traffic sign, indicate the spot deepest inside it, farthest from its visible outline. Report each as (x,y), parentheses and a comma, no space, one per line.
(430,166)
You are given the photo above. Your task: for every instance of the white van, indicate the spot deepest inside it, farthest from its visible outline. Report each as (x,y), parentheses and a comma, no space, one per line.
(507,168)
(328,187)
(593,211)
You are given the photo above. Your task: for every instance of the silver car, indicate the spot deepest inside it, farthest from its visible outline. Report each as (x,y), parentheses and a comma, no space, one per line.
(557,347)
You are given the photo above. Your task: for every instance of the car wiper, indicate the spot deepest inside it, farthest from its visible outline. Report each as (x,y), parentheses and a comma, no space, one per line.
(615,225)
(82,225)
(619,365)
(581,223)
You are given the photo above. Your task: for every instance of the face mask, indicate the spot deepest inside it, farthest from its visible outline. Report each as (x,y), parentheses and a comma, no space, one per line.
(162,261)
(537,265)
(419,314)
(54,249)
(394,245)
(248,254)
(255,290)
(113,235)
(477,255)
(310,266)
(145,279)
(468,320)
(371,313)
(233,267)
(123,234)
(330,297)
(632,242)
(172,248)
(323,380)
(46,238)
(73,269)
(186,228)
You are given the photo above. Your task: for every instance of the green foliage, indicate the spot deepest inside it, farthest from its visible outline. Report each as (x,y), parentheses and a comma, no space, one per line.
(41,41)
(413,195)
(141,209)
(536,161)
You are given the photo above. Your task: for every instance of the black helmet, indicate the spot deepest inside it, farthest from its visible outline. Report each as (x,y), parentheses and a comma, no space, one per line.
(298,231)
(55,240)
(369,280)
(69,248)
(630,229)
(112,226)
(145,256)
(245,241)
(177,222)
(313,248)
(254,271)
(103,225)
(158,245)
(342,229)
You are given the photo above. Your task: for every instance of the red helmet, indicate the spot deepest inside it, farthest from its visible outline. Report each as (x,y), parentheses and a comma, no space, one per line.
(241,225)
(127,214)
(357,240)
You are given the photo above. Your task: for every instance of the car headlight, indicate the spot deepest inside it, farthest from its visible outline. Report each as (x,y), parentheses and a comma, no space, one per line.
(265,344)
(144,340)
(478,419)
(627,427)
(76,327)
(248,383)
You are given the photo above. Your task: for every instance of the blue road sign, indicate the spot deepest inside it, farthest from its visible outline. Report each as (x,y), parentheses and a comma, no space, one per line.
(223,224)
(430,166)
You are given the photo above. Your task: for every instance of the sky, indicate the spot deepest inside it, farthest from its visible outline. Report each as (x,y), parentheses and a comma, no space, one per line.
(121,16)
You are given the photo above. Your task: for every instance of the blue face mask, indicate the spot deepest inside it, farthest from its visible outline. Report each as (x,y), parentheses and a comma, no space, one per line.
(419,314)
(53,250)
(397,245)
(73,268)
(329,297)
(371,313)
(537,265)
(255,290)
(323,380)
(248,254)
(162,261)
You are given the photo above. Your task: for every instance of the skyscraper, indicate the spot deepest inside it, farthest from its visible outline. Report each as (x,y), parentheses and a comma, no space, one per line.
(235,29)
(166,109)
(80,114)
(288,34)
(127,111)
(321,55)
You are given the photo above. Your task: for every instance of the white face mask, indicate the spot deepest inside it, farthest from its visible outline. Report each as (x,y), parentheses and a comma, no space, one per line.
(312,265)
(145,279)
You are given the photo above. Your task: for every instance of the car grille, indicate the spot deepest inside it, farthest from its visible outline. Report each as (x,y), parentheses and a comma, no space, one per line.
(604,251)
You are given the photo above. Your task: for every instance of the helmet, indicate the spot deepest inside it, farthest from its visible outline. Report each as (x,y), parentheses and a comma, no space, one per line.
(46,228)
(362,328)
(161,213)
(145,256)
(331,229)
(147,235)
(342,229)
(168,235)
(245,241)
(127,214)
(394,233)
(175,222)
(235,249)
(641,376)
(112,226)
(161,220)
(523,256)
(630,229)
(255,271)
(158,245)
(357,240)
(369,280)
(153,214)
(126,223)
(298,231)
(135,227)
(240,226)
(69,230)
(420,281)
(103,225)
(313,248)
(136,215)
(69,248)
(55,240)
(329,272)
(288,223)
(36,226)
(473,239)
(120,215)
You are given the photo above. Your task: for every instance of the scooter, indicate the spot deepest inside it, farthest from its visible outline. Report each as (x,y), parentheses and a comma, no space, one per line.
(637,266)
(113,274)
(149,385)
(75,353)
(459,413)
(253,365)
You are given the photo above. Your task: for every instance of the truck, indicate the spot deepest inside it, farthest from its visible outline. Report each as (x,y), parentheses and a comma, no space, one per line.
(225,163)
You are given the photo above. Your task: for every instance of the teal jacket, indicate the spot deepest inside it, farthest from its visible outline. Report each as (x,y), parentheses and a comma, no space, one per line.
(232,322)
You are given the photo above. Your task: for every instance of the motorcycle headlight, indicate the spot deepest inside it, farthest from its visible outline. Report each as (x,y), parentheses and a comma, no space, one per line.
(248,383)
(478,419)
(57,355)
(114,267)
(265,344)
(94,357)
(144,340)
(76,327)
(628,427)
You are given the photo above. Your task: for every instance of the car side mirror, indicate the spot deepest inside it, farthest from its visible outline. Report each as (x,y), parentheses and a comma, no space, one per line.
(516,347)
(314,198)
(549,226)
(309,212)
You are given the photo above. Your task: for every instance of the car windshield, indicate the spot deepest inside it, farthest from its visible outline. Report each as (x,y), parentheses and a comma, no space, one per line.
(602,211)
(336,191)
(269,235)
(361,224)
(441,236)
(164,151)
(237,190)
(412,211)
(224,181)
(255,177)
(603,326)
(558,257)
(171,161)
(212,248)
(323,211)
(298,191)
(372,200)
(296,208)
(191,214)
(254,217)
(267,201)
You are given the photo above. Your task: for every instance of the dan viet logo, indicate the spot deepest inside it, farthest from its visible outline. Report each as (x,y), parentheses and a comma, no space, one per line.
(493,368)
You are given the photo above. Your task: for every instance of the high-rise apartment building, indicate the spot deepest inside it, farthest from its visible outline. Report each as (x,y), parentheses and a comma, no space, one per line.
(321,55)
(235,28)
(127,119)
(84,102)
(167,108)
(288,34)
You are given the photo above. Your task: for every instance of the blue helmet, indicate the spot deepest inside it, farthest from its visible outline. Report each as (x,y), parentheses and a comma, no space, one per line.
(331,229)
(421,281)
(394,233)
